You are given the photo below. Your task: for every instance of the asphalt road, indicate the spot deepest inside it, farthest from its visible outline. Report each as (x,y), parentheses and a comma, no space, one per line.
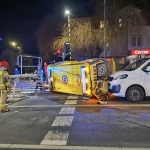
(58,121)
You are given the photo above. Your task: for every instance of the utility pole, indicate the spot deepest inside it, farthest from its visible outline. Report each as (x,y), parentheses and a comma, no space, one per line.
(69,33)
(69,26)
(67,12)
(104,29)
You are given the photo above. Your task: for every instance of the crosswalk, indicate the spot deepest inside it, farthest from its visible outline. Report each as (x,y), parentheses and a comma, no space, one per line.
(63,119)
(59,133)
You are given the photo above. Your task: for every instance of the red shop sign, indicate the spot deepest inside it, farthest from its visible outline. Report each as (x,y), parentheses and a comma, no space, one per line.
(141,52)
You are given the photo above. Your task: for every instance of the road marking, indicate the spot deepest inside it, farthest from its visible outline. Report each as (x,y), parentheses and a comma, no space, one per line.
(72,97)
(86,98)
(63,121)
(68,102)
(66,111)
(57,106)
(55,138)
(50,147)
(16,111)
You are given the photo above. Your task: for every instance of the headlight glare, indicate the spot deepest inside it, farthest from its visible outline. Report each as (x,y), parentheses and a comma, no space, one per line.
(123,76)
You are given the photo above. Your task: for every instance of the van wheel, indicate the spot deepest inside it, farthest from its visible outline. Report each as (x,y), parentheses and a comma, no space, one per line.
(135,94)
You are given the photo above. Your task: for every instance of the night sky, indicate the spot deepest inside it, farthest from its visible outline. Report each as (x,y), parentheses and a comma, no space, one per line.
(20,19)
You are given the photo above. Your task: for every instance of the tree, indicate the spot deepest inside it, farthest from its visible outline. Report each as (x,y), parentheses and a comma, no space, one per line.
(80,35)
(89,34)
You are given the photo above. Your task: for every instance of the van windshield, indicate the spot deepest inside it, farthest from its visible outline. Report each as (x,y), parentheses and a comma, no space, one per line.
(135,65)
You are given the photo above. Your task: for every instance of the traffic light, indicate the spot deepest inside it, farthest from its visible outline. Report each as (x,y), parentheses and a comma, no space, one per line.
(67,49)
(58,51)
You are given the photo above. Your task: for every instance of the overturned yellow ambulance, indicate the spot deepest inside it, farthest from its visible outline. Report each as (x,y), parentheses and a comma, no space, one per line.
(79,78)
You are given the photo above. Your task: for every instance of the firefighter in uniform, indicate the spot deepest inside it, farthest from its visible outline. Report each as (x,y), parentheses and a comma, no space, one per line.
(100,93)
(4,86)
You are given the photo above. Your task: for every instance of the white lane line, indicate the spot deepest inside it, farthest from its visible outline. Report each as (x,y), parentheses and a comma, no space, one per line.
(55,138)
(51,106)
(67,110)
(63,121)
(72,97)
(68,102)
(14,99)
(50,147)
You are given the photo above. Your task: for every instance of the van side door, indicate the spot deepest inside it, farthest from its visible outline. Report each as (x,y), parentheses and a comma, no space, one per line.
(147,78)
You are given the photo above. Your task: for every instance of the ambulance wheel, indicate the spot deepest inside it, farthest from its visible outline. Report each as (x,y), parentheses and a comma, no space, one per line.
(135,94)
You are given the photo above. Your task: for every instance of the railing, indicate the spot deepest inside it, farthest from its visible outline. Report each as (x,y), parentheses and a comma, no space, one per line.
(20,63)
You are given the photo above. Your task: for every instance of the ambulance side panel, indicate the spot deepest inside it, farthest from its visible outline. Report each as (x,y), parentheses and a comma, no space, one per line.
(66,79)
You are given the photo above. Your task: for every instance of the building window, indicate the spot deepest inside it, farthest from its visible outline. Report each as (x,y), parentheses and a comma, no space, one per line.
(106,23)
(120,22)
(102,24)
(136,40)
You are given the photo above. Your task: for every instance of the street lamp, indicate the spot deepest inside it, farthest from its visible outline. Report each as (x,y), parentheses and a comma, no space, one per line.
(13,43)
(18,45)
(67,12)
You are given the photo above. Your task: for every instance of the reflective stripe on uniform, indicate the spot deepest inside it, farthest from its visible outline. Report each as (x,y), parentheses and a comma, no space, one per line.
(3,98)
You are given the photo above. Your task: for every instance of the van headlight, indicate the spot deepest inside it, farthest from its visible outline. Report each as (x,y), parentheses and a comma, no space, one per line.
(123,76)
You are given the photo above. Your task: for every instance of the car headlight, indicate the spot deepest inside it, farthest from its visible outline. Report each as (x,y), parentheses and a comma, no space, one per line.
(123,76)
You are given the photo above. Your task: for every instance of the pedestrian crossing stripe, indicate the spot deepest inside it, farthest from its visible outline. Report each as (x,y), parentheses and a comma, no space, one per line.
(72,97)
(55,137)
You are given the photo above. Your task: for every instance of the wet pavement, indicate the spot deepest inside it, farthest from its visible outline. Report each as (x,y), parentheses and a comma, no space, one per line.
(59,119)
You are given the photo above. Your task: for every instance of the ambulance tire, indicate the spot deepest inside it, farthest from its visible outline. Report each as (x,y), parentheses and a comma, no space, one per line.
(135,94)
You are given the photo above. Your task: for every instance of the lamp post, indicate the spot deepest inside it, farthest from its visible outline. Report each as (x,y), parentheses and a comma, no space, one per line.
(18,45)
(67,12)
(104,29)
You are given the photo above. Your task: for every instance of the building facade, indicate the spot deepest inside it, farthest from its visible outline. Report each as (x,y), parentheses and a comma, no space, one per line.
(132,33)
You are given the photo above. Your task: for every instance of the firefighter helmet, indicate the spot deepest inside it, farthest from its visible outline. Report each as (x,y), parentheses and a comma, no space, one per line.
(4,64)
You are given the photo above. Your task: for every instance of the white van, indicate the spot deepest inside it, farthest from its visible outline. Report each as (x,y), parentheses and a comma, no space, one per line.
(132,82)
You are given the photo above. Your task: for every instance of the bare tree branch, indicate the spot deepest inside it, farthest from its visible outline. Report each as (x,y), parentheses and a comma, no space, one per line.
(84,35)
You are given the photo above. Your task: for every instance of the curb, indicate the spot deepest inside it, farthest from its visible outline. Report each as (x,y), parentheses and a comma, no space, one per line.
(51,147)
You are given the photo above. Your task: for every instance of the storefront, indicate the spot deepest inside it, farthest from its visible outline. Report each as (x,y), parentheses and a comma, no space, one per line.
(136,54)
(141,53)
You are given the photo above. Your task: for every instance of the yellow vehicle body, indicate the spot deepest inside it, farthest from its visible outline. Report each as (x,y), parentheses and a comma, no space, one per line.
(78,78)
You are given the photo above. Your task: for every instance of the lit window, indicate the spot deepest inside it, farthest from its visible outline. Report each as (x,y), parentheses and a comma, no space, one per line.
(106,23)
(136,40)
(101,24)
(120,22)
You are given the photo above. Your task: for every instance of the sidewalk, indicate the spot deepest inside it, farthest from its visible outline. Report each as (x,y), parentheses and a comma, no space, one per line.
(22,91)
(23,86)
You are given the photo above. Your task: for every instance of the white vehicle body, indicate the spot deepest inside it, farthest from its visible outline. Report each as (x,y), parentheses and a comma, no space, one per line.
(124,83)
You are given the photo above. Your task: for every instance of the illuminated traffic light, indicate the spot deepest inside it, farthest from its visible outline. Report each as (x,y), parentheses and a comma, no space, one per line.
(58,51)
(68,48)
(68,51)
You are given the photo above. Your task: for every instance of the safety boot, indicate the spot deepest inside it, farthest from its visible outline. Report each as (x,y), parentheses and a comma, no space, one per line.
(5,110)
